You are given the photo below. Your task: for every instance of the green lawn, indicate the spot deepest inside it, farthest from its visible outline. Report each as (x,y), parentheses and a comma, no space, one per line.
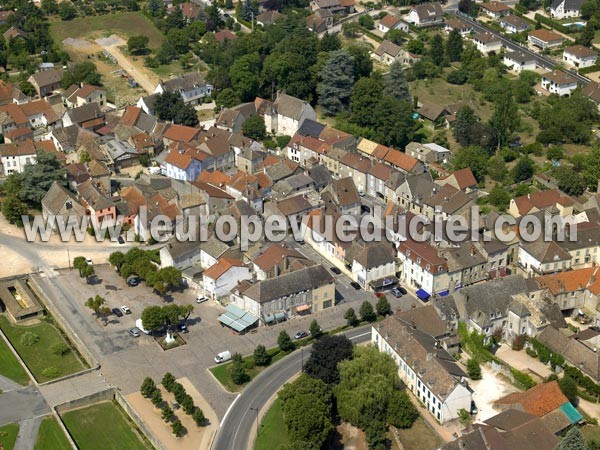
(39,356)
(420,436)
(591,432)
(51,436)
(102,426)
(222,371)
(10,367)
(124,24)
(8,436)
(272,429)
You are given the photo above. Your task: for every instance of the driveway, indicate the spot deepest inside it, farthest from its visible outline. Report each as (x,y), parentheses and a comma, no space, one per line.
(486,391)
(522,361)
(22,404)
(111,45)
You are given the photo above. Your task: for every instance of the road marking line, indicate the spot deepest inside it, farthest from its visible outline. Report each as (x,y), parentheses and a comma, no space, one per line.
(229,409)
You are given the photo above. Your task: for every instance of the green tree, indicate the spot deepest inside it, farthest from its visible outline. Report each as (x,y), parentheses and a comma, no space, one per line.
(67,11)
(244,76)
(573,440)
(152,318)
(363,63)
(177,428)
(13,210)
(330,42)
(188,405)
(366,21)
(307,408)
(499,197)
(325,355)
(227,98)
(138,44)
(37,179)
(238,372)
(148,387)
(395,124)
(116,259)
(555,153)
(315,329)
(454,45)
(436,50)
(261,357)
(569,181)
(80,263)
(351,318)
(169,106)
(586,37)
(523,170)
(505,118)
(254,128)
(199,417)
(84,72)
(383,307)
(337,79)
(156,398)
(473,369)
(27,88)
(395,84)
(285,343)
(401,411)
(465,121)
(496,168)
(168,381)
(366,94)
(474,158)
(367,314)
(569,388)
(95,303)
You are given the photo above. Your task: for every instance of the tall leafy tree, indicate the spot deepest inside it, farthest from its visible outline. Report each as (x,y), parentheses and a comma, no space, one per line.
(325,355)
(505,118)
(465,121)
(337,79)
(436,50)
(244,76)
(573,440)
(454,46)
(36,179)
(523,170)
(472,157)
(366,95)
(395,84)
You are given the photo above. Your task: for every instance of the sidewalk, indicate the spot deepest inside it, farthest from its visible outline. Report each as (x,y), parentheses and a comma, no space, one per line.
(444,431)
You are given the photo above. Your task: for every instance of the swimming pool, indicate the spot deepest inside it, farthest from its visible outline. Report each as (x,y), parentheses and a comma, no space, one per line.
(575,24)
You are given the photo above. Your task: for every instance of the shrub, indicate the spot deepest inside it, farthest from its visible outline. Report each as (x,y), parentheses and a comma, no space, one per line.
(473,369)
(178,428)
(156,398)
(28,339)
(167,413)
(198,417)
(60,349)
(168,380)
(261,357)
(51,372)
(523,379)
(285,343)
(238,373)
(188,405)
(518,342)
(179,392)
(148,387)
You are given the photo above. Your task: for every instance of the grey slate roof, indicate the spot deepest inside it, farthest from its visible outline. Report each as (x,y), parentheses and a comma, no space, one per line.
(569,4)
(185,82)
(311,128)
(371,255)
(84,113)
(290,283)
(289,106)
(56,197)
(320,175)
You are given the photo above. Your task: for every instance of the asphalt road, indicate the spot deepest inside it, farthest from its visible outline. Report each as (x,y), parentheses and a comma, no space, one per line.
(541,60)
(237,425)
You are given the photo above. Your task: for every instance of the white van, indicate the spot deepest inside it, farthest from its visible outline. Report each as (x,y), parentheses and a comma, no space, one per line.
(223,356)
(138,323)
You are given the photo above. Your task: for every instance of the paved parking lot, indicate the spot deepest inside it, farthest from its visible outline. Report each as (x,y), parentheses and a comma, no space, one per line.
(126,360)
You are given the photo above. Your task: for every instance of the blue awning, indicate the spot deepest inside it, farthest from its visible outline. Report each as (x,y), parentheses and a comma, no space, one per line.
(237,318)
(422,294)
(444,293)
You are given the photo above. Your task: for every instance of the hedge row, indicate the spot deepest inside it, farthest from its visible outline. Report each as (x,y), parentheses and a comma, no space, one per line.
(554,24)
(591,69)
(523,379)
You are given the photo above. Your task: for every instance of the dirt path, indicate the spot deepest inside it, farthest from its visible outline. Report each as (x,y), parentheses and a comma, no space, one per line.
(112,45)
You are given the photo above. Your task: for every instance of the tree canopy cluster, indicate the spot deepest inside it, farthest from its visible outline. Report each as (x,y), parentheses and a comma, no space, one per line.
(155,317)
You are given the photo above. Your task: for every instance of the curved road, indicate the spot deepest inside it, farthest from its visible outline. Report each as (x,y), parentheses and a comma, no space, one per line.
(239,421)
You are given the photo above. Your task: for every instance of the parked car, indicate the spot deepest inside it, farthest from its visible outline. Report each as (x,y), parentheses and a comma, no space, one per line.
(117,312)
(336,270)
(125,309)
(89,261)
(183,328)
(121,240)
(300,335)
(223,356)
(201,299)
(397,292)
(135,332)
(133,280)
(355,285)
(401,289)
(379,294)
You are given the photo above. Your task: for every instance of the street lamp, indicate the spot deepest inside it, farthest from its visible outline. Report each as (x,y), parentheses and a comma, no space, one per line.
(302,356)
(257,428)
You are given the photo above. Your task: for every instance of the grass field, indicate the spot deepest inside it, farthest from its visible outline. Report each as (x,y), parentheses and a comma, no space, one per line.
(419,436)
(222,371)
(10,367)
(51,436)
(102,426)
(272,429)
(440,92)
(8,436)
(39,356)
(124,24)
(591,433)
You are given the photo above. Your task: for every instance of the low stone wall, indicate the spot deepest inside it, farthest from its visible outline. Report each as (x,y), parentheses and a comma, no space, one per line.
(106,395)
(73,337)
(122,401)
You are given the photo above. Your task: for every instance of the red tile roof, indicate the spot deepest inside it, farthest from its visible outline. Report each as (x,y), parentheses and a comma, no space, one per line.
(464,178)
(215,271)
(401,160)
(130,116)
(423,254)
(181,133)
(539,400)
(542,199)
(571,281)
